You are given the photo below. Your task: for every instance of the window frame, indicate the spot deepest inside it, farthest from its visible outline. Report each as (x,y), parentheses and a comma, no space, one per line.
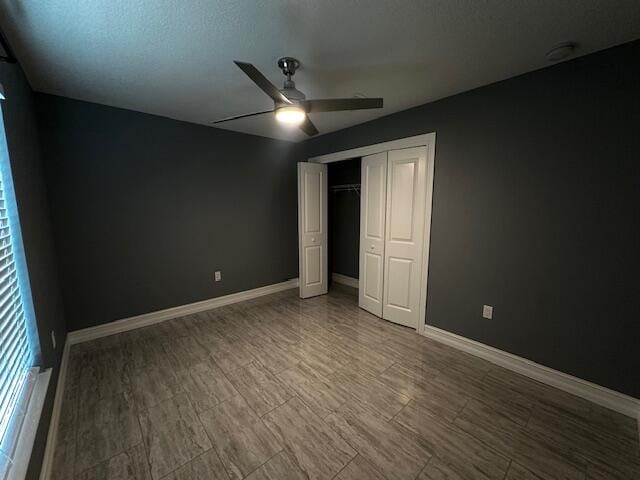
(17,443)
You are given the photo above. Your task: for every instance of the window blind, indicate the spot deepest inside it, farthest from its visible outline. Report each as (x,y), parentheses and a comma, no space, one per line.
(15,353)
(19,346)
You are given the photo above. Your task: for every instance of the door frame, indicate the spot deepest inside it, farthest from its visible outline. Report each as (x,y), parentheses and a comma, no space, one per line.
(426,140)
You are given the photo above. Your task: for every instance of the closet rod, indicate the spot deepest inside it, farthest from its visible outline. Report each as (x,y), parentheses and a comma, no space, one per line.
(345,186)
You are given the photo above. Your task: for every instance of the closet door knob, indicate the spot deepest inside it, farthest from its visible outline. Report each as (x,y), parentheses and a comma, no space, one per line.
(313,239)
(371,247)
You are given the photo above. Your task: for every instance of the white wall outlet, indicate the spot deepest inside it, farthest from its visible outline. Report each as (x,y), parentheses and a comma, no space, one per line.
(53,339)
(218,276)
(487,311)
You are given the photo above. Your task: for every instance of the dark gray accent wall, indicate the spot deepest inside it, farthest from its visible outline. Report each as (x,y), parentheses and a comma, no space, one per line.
(22,140)
(344,219)
(145,209)
(536,211)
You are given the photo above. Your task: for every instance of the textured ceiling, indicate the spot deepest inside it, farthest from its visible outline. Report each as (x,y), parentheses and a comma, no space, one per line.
(174,58)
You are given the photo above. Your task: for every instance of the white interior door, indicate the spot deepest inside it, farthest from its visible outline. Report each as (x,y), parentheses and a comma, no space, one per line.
(373,200)
(404,232)
(312,229)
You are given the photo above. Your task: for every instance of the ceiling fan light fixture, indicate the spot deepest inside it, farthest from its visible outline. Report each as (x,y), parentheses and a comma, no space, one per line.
(290,115)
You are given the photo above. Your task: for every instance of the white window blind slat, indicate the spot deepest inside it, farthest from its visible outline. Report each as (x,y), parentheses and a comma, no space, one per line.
(12,352)
(13,392)
(5,254)
(11,303)
(9,336)
(9,297)
(6,270)
(9,324)
(15,363)
(10,284)
(12,342)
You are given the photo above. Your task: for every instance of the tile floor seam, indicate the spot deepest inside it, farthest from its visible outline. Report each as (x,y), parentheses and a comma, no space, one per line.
(75,438)
(184,464)
(424,468)
(400,411)
(144,446)
(107,459)
(453,420)
(243,398)
(278,406)
(346,464)
(506,472)
(282,449)
(197,418)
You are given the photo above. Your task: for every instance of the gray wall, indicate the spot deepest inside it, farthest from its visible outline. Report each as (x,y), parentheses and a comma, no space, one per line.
(22,140)
(344,219)
(145,209)
(536,211)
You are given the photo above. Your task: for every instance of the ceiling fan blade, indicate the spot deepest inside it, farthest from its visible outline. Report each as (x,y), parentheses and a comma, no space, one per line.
(308,127)
(228,119)
(265,85)
(340,104)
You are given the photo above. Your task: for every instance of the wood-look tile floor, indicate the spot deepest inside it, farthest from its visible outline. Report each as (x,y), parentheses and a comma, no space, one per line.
(283,388)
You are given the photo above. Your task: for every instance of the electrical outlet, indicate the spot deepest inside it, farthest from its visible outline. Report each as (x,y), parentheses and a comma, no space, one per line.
(53,339)
(487,311)
(218,276)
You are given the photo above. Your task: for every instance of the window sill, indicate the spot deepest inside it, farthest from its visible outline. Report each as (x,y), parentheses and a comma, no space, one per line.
(17,466)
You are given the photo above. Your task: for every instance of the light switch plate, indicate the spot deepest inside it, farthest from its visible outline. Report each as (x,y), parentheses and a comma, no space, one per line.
(487,312)
(218,276)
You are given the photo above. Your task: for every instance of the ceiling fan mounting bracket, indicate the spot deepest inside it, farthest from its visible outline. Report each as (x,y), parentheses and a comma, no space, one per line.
(288,65)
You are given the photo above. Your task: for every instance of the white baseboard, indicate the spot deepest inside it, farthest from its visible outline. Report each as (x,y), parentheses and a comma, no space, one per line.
(47,459)
(611,399)
(343,279)
(131,323)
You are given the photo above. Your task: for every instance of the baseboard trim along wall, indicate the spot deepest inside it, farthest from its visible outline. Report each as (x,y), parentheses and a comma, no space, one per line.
(603,396)
(345,280)
(139,321)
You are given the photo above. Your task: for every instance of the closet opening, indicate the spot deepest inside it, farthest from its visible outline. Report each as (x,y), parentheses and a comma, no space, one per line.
(343,249)
(364,220)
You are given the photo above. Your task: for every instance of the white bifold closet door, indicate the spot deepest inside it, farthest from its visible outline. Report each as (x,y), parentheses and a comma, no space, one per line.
(392,234)
(312,229)
(373,200)
(404,235)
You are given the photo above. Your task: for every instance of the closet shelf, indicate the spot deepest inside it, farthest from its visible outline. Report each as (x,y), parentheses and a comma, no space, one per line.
(346,187)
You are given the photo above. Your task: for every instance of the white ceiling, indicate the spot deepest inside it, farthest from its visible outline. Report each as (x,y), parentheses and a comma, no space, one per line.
(174,57)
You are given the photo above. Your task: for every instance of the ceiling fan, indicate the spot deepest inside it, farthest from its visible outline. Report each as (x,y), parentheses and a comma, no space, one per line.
(290,104)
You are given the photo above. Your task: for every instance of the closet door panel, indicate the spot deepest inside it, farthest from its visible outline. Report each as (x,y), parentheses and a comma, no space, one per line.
(312,229)
(373,200)
(404,235)
(400,270)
